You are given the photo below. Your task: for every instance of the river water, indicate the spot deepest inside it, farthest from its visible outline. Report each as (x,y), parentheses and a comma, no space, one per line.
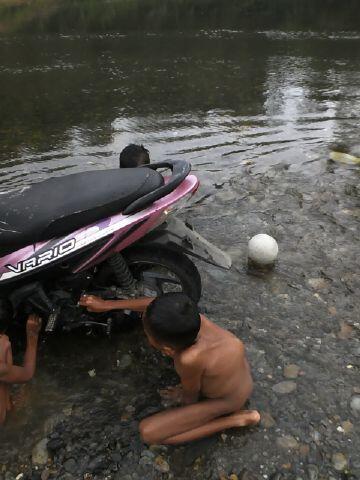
(220,99)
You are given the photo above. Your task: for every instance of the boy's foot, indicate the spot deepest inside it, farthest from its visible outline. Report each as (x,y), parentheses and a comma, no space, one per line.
(243,418)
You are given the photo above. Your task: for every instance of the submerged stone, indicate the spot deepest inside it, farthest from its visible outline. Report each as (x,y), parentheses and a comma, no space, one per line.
(284,387)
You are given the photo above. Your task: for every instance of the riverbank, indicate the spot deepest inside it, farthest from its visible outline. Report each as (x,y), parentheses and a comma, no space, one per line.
(301,327)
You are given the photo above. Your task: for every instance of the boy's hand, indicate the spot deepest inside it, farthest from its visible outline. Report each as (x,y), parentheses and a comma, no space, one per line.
(93,304)
(33,326)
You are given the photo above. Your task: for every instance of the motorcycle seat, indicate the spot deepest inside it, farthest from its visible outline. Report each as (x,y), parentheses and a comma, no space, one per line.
(59,206)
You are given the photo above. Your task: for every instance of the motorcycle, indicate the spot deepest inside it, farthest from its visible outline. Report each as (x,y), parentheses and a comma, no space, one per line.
(111,233)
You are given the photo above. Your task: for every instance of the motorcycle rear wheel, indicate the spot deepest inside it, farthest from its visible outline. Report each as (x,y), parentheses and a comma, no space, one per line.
(165,271)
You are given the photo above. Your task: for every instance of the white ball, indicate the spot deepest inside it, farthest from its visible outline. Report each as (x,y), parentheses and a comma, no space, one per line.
(263,249)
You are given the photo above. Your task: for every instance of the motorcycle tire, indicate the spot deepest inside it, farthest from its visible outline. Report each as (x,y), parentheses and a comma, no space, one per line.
(178,264)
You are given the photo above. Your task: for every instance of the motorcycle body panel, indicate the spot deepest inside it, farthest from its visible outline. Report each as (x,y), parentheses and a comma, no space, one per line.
(110,235)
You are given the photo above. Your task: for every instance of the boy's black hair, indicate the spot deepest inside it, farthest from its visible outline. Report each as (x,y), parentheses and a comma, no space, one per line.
(173,319)
(5,315)
(134,156)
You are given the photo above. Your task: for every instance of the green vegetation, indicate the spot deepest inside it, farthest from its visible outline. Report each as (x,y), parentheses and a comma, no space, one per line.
(68,16)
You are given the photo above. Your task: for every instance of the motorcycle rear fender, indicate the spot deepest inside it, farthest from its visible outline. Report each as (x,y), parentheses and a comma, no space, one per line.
(178,236)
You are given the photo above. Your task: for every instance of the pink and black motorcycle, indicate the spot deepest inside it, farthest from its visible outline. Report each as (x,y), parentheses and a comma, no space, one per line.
(106,232)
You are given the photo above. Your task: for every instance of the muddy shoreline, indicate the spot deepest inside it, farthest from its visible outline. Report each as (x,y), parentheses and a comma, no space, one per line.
(301,325)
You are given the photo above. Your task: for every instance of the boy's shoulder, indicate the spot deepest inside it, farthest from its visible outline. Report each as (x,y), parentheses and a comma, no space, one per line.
(190,357)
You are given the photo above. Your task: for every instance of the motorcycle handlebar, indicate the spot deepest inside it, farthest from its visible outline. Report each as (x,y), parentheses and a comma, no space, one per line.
(180,169)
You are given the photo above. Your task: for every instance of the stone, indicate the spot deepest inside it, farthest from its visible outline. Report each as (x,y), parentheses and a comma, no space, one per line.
(70,466)
(284,387)
(313,472)
(291,371)
(39,455)
(233,476)
(318,283)
(51,422)
(248,475)
(347,426)
(355,403)
(124,362)
(161,465)
(55,444)
(266,420)
(304,450)
(339,461)
(345,332)
(45,474)
(288,442)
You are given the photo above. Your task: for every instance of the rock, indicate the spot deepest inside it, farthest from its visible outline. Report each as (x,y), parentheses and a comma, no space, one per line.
(70,466)
(97,464)
(266,420)
(39,455)
(52,422)
(347,426)
(45,474)
(284,387)
(124,362)
(247,475)
(345,331)
(304,450)
(313,472)
(318,283)
(287,442)
(339,461)
(92,373)
(233,476)
(55,444)
(161,465)
(291,371)
(355,403)
(148,454)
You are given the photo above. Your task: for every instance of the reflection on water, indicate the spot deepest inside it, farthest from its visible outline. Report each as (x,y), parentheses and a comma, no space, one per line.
(218,99)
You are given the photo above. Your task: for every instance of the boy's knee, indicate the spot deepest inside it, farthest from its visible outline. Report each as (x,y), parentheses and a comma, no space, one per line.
(147,433)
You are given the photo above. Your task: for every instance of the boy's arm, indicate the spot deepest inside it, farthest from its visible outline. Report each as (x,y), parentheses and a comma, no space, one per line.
(14,374)
(96,304)
(190,371)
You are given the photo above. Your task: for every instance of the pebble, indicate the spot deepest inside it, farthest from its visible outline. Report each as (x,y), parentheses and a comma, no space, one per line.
(318,283)
(266,420)
(291,371)
(347,426)
(233,476)
(161,465)
(355,403)
(287,442)
(313,472)
(70,466)
(284,387)
(345,331)
(45,474)
(339,461)
(124,362)
(39,455)
(92,373)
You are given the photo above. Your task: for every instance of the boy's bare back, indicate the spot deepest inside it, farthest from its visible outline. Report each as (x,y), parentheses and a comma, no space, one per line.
(220,359)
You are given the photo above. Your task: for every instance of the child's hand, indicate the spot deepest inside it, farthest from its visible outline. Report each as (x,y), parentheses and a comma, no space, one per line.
(93,304)
(33,325)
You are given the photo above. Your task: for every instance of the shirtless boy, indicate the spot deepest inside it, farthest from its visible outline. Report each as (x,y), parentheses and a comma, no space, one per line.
(210,361)
(10,373)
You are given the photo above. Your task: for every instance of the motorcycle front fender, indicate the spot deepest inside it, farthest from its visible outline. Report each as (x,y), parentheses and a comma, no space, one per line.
(180,237)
